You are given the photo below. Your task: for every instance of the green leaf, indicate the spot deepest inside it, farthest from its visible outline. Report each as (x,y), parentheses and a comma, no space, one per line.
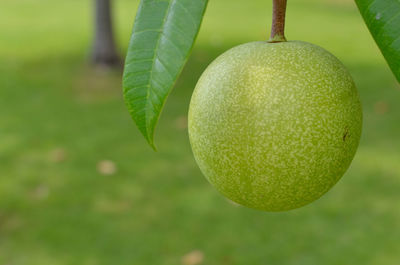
(383,20)
(163,36)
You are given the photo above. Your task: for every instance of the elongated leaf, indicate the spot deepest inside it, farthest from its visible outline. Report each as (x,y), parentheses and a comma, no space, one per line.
(383,20)
(161,42)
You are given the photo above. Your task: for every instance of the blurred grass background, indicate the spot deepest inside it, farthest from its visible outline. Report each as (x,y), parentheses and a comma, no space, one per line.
(79,185)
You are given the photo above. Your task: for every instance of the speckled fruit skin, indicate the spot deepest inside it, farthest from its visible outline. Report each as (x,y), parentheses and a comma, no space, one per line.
(273,126)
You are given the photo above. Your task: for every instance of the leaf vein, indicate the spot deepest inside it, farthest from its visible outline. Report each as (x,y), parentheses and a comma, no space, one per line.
(147,30)
(189,14)
(173,44)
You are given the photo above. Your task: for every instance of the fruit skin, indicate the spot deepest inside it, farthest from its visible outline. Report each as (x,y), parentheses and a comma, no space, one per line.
(273,126)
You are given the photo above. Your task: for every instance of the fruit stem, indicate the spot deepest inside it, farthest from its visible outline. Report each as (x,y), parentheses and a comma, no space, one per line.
(278,21)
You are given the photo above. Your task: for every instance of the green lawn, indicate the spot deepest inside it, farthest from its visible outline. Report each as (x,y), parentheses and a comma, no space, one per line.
(59,118)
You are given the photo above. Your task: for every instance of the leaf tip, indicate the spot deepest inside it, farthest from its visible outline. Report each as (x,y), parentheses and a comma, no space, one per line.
(153,146)
(150,141)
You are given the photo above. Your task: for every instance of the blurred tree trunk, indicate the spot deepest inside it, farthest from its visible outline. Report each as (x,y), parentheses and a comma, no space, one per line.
(104,51)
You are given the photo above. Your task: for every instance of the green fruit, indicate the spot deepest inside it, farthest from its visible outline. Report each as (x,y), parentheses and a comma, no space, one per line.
(273,126)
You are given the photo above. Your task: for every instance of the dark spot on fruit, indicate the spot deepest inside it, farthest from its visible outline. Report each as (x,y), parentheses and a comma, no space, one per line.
(345,135)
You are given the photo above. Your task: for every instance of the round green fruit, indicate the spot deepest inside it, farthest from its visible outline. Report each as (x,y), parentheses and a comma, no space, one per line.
(273,126)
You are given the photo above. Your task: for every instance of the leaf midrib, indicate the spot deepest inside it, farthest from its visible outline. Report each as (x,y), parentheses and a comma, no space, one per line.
(149,85)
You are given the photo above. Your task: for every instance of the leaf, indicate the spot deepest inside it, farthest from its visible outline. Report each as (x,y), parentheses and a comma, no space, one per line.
(383,20)
(163,36)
